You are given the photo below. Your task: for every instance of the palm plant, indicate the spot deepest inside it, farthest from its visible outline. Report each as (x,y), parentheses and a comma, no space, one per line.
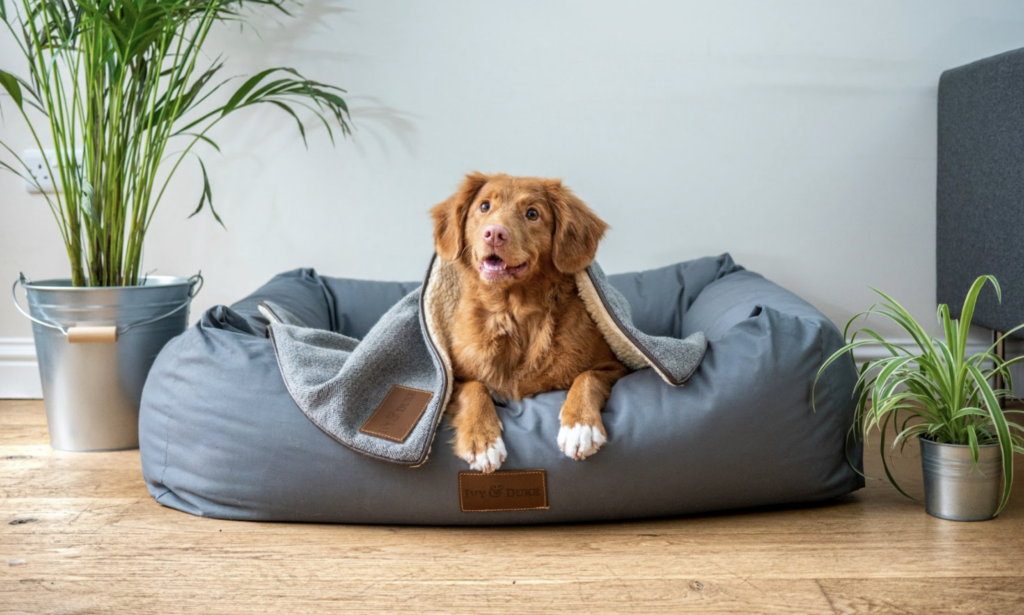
(116,81)
(932,389)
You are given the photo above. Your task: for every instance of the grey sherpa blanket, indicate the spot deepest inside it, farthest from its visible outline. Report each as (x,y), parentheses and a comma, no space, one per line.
(384,395)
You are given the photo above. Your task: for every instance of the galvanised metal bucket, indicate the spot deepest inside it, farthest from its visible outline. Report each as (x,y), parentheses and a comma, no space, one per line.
(955,488)
(95,346)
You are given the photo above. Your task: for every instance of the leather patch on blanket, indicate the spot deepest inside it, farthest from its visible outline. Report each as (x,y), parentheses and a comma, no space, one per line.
(397,414)
(500,491)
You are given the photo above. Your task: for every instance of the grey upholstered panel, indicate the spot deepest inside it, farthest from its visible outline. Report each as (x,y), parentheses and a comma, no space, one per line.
(980,196)
(220,436)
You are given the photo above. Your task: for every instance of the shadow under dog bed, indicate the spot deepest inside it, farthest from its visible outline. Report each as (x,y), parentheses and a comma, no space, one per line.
(221,437)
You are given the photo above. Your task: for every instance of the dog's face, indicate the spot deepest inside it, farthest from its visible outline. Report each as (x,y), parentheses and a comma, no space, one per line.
(510,229)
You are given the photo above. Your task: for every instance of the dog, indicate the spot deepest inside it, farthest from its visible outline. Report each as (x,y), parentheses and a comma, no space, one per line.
(520,326)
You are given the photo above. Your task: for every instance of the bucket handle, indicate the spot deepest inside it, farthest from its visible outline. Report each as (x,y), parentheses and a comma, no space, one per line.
(102,334)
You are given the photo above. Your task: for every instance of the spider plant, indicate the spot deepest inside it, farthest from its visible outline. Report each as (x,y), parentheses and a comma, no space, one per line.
(114,83)
(931,389)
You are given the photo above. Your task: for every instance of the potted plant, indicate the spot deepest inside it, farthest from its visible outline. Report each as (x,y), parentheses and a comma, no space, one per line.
(113,83)
(930,389)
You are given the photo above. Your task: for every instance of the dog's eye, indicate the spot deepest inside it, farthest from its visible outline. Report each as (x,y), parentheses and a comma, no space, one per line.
(485,206)
(532,215)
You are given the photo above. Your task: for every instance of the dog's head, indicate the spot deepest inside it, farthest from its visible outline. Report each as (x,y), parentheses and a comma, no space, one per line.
(509,229)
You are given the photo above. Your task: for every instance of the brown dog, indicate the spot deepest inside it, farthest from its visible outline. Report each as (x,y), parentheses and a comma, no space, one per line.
(520,327)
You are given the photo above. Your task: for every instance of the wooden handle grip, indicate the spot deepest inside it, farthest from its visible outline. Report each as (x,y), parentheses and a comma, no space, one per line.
(91,335)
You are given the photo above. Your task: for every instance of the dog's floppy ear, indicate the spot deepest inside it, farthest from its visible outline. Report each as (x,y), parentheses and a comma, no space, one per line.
(450,216)
(577,229)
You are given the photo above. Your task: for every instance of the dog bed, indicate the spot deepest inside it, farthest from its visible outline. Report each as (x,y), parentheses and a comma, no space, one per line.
(221,437)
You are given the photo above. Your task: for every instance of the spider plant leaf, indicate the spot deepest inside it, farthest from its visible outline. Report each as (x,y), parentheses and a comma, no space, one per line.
(971,411)
(967,312)
(851,449)
(904,320)
(878,412)
(1013,361)
(972,443)
(1002,430)
(894,349)
(902,317)
(892,405)
(1003,337)
(849,323)
(926,385)
(836,356)
(906,421)
(949,362)
(910,432)
(943,317)
(885,464)
(888,372)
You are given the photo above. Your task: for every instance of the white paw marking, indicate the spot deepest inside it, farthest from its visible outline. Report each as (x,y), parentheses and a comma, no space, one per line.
(489,460)
(580,441)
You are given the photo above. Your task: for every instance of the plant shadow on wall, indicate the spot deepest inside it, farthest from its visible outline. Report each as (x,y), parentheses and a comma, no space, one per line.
(115,83)
(299,40)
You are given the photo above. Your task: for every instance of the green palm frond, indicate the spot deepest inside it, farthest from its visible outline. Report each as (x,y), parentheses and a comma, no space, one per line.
(117,82)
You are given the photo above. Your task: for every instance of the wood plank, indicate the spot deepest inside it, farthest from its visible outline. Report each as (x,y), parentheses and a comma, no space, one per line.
(975,595)
(79,533)
(23,421)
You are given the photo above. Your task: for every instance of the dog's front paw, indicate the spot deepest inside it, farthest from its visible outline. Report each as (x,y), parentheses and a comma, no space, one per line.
(580,441)
(484,458)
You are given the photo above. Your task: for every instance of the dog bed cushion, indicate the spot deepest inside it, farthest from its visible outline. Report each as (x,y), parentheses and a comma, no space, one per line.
(220,436)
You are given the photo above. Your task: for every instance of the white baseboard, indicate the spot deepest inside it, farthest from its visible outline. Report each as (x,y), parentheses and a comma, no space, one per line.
(873,352)
(19,372)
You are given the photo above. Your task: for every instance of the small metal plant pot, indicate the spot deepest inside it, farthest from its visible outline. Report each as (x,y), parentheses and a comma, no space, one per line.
(957,489)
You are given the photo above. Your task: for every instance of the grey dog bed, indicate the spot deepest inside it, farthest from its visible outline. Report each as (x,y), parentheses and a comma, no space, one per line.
(221,437)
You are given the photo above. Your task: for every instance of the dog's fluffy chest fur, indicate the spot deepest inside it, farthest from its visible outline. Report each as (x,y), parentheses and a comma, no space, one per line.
(519,344)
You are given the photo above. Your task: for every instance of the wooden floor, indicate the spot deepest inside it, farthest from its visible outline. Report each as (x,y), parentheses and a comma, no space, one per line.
(80,534)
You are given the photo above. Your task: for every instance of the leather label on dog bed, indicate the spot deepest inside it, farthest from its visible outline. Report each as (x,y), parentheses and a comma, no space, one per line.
(395,417)
(500,491)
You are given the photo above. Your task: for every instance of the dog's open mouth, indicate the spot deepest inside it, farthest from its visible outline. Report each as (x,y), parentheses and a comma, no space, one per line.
(494,268)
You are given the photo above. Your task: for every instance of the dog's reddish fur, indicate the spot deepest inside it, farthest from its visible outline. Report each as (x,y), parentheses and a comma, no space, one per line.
(531,333)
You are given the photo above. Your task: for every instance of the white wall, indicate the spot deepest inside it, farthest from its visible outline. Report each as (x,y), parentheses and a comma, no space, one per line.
(797,135)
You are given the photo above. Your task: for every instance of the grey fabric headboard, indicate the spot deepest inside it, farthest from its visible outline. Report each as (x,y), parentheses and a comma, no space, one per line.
(980,196)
